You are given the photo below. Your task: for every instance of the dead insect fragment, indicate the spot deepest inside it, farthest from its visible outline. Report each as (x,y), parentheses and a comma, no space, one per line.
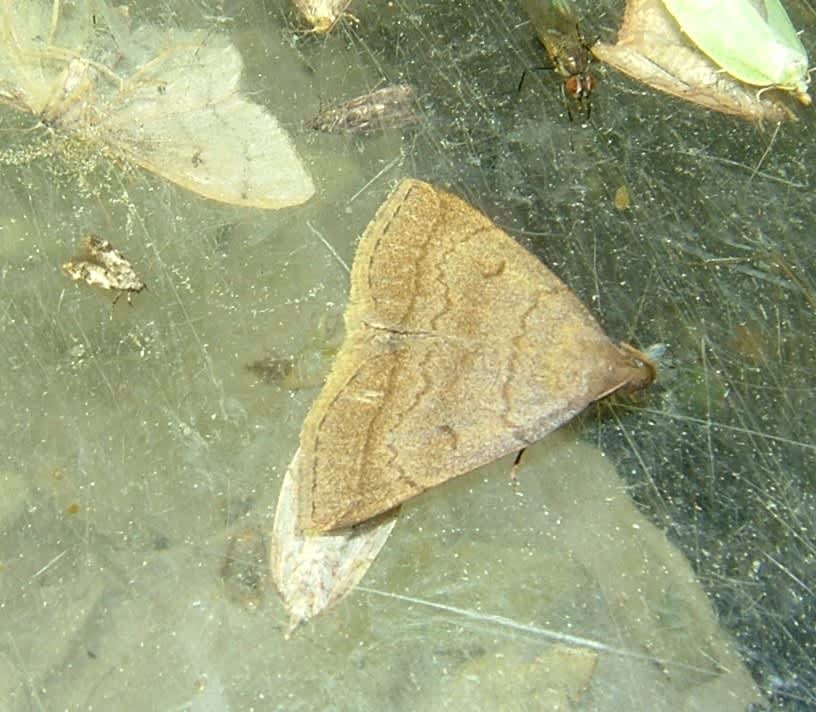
(387,108)
(300,371)
(244,569)
(623,199)
(308,367)
(323,15)
(272,369)
(101,265)
(557,29)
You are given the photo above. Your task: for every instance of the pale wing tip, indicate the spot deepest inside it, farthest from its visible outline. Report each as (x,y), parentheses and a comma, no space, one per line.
(293,625)
(276,202)
(296,619)
(300,187)
(267,201)
(313,573)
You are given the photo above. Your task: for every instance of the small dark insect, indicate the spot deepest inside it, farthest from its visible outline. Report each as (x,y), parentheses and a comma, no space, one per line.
(101,265)
(244,569)
(557,29)
(271,369)
(306,369)
(387,108)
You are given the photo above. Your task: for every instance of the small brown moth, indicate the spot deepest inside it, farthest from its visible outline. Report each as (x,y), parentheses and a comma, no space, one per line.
(322,15)
(652,49)
(460,347)
(101,265)
(430,382)
(387,108)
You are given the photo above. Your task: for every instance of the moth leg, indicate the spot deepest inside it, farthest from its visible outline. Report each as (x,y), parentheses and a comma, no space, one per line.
(128,295)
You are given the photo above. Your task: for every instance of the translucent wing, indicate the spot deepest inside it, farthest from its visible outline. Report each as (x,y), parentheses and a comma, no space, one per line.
(182,117)
(166,100)
(781,24)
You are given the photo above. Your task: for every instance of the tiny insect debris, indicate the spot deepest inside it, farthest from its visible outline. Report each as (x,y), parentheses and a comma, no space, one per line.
(99,264)
(297,372)
(243,573)
(323,15)
(623,199)
(272,369)
(308,367)
(387,108)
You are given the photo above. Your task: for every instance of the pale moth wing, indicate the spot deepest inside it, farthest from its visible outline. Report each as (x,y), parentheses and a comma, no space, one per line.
(171,103)
(227,149)
(752,41)
(313,572)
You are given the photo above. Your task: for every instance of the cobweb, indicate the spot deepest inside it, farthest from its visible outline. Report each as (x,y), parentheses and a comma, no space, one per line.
(651,550)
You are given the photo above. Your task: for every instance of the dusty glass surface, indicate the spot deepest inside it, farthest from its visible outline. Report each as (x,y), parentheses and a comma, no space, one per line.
(659,553)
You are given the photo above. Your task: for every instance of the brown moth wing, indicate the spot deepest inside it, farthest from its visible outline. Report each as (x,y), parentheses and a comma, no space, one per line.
(652,49)
(461,347)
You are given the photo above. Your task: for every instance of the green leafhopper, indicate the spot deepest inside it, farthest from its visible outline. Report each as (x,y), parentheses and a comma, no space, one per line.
(752,40)
(652,49)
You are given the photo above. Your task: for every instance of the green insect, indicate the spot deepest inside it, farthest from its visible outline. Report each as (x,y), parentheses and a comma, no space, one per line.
(752,40)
